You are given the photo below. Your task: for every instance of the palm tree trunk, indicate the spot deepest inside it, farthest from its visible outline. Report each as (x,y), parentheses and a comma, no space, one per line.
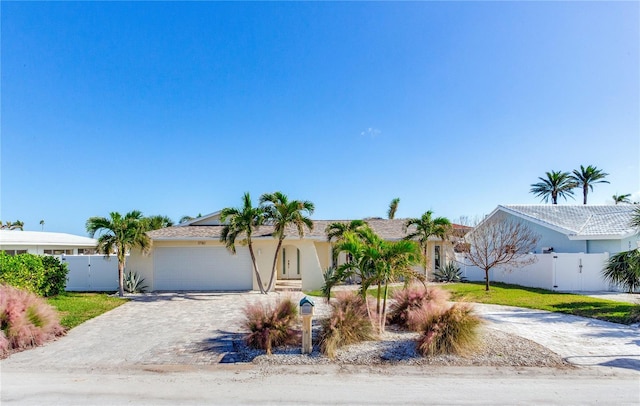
(255,268)
(585,190)
(424,255)
(120,278)
(273,267)
(384,307)
(378,299)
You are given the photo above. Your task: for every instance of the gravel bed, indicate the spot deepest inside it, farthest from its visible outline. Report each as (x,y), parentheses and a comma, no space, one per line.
(397,347)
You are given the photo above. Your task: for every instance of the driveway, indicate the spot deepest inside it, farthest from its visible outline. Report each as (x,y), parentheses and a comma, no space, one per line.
(178,349)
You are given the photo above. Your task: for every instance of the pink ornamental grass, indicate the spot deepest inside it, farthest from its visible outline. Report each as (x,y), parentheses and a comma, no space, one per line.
(26,320)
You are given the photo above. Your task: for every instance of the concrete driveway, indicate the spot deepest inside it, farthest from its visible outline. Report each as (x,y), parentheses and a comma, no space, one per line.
(178,349)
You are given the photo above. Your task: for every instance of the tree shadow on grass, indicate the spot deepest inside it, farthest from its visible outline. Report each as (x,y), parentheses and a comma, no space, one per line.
(611,312)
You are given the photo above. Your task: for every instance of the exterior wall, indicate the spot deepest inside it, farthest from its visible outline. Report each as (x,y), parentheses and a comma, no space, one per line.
(557,271)
(323,250)
(142,264)
(599,246)
(550,238)
(264,249)
(628,244)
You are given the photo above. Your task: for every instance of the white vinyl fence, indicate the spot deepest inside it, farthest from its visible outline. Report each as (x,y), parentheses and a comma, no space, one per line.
(554,271)
(91,273)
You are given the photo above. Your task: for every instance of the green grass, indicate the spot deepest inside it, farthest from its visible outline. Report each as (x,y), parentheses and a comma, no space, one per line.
(534,298)
(76,308)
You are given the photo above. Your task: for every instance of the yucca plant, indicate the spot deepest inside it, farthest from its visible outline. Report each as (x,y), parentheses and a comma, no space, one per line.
(134,283)
(270,326)
(449,273)
(348,323)
(452,331)
(26,320)
(414,301)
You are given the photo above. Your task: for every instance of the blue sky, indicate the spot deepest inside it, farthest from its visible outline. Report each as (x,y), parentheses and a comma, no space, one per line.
(180,108)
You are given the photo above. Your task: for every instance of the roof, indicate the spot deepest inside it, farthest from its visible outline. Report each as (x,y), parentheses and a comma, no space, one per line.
(16,237)
(579,222)
(387,229)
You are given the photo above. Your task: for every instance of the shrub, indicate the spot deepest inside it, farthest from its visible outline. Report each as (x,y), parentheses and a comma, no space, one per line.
(24,271)
(55,276)
(452,331)
(348,323)
(449,273)
(271,326)
(26,320)
(410,304)
(624,269)
(134,283)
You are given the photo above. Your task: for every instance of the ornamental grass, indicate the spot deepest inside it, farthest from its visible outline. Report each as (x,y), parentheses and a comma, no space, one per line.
(26,320)
(411,305)
(271,326)
(452,331)
(349,323)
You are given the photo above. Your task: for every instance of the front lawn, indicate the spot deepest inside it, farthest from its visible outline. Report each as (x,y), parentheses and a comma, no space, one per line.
(76,308)
(534,298)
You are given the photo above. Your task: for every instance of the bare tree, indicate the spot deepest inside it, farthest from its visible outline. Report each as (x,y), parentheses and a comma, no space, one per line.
(501,242)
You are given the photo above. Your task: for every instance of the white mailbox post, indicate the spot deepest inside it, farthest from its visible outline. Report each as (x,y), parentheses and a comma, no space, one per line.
(306,311)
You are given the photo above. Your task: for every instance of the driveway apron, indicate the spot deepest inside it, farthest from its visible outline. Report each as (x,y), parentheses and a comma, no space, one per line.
(580,340)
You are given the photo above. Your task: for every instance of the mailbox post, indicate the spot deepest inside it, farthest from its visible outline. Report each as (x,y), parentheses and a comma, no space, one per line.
(306,311)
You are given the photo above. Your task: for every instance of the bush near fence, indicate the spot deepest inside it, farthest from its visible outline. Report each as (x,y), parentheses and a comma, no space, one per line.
(42,275)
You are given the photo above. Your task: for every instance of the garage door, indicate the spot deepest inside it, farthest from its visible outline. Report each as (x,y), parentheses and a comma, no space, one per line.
(202,268)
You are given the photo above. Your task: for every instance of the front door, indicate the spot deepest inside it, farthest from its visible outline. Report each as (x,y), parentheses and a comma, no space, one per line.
(290,267)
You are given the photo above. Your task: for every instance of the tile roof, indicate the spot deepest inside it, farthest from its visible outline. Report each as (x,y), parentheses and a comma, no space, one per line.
(387,229)
(580,220)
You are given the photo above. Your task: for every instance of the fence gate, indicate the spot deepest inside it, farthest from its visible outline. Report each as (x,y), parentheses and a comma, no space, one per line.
(91,273)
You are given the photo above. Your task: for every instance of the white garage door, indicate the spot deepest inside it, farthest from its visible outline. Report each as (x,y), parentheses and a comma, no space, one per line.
(202,268)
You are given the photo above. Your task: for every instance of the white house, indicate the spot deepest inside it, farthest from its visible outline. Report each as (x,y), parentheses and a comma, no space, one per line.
(575,243)
(15,242)
(190,256)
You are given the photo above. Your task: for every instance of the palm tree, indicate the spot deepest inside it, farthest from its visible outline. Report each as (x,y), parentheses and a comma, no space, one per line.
(119,234)
(556,184)
(425,227)
(280,213)
(621,198)
(393,207)
(42,224)
(12,225)
(336,231)
(186,218)
(242,220)
(635,219)
(586,177)
(376,262)
(157,222)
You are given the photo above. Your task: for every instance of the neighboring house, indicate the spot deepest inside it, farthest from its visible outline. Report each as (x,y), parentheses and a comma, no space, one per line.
(575,243)
(190,256)
(576,228)
(15,242)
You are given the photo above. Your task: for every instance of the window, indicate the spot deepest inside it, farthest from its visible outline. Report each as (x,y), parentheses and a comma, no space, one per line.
(58,252)
(14,252)
(86,251)
(436,257)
